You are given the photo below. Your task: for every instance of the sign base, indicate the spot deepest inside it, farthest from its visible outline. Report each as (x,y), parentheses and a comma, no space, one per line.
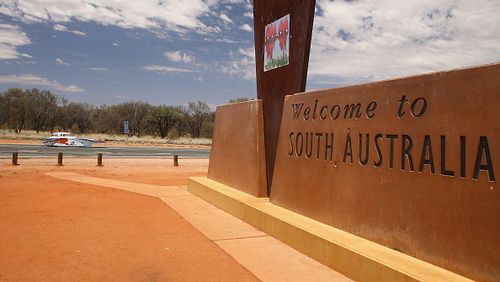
(353,256)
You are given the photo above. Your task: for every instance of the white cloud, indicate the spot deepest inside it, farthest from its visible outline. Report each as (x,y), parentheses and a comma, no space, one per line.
(225,18)
(116,44)
(61,62)
(166,69)
(248,15)
(60,27)
(29,79)
(247,52)
(77,32)
(242,66)
(178,56)
(226,40)
(176,15)
(99,69)
(11,37)
(246,27)
(370,40)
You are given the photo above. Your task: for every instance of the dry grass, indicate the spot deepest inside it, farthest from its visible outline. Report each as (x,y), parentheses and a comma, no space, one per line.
(144,140)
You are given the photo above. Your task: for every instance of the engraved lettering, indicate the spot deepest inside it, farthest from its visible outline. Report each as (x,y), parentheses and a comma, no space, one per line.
(406,152)
(444,171)
(309,137)
(370,110)
(328,146)
(321,116)
(315,108)
(427,151)
(297,152)
(348,148)
(401,111)
(422,109)
(367,146)
(483,149)
(291,144)
(337,109)
(318,139)
(296,110)
(391,137)
(352,108)
(306,113)
(378,163)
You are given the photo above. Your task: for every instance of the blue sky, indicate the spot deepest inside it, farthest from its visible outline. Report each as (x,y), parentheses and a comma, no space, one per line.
(175,51)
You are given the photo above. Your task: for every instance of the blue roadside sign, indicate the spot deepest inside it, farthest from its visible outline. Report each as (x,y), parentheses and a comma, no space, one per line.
(125,127)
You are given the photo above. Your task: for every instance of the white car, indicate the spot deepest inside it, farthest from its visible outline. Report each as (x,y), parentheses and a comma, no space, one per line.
(65,139)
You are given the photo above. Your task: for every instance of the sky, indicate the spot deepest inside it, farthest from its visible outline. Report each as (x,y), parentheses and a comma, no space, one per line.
(176,51)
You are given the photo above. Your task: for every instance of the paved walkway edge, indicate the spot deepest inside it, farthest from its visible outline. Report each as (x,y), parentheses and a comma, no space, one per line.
(353,256)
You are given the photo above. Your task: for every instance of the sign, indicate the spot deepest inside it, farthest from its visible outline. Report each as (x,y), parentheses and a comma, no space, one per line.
(411,163)
(276,43)
(125,127)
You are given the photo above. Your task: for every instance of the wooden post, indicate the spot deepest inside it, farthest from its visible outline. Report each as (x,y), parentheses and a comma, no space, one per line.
(176,160)
(99,159)
(60,159)
(14,158)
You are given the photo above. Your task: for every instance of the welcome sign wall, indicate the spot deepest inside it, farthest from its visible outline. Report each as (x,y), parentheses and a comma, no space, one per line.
(409,163)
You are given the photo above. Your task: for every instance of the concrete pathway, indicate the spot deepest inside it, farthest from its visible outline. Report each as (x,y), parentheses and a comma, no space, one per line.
(264,256)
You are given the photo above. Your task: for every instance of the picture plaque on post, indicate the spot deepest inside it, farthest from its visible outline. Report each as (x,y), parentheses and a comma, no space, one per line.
(276,44)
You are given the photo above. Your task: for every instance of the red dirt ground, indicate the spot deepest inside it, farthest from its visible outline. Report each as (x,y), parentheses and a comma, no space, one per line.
(54,230)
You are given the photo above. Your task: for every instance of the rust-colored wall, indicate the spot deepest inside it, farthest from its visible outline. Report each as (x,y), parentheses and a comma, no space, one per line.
(274,85)
(237,157)
(449,217)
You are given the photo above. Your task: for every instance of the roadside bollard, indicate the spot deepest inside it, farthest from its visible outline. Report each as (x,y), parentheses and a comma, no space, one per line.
(99,159)
(14,159)
(60,159)
(176,160)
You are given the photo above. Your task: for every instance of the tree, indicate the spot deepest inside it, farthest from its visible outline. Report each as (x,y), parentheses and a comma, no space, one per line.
(139,121)
(41,105)
(163,119)
(15,102)
(57,117)
(208,126)
(79,114)
(3,110)
(106,119)
(181,125)
(41,110)
(136,114)
(238,100)
(198,113)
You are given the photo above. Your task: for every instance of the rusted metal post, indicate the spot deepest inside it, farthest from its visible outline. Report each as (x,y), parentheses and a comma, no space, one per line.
(274,84)
(176,160)
(14,158)
(99,159)
(59,159)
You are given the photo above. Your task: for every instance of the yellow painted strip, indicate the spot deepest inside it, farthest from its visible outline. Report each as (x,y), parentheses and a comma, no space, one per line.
(355,257)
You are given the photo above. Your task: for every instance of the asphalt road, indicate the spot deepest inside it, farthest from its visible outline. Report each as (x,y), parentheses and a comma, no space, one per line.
(31,151)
